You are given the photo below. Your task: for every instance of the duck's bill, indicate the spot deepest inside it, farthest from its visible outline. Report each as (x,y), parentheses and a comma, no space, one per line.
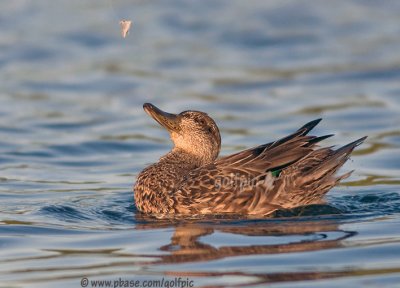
(168,120)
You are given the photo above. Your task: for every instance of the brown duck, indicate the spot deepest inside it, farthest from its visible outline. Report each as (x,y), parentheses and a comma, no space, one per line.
(190,180)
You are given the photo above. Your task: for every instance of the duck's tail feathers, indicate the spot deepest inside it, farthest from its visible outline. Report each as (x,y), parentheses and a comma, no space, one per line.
(324,173)
(347,149)
(336,159)
(316,173)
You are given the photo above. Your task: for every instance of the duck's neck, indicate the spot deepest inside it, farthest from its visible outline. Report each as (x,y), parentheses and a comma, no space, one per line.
(182,159)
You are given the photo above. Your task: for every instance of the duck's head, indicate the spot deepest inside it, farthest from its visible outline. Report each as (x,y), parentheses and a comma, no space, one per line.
(193,132)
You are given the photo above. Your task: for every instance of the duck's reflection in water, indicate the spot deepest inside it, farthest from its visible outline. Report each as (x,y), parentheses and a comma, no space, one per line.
(188,243)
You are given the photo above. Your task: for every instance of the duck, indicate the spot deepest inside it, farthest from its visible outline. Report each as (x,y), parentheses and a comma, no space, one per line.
(191,180)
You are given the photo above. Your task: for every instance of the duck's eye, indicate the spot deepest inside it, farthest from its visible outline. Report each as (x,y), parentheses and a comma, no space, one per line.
(210,130)
(201,122)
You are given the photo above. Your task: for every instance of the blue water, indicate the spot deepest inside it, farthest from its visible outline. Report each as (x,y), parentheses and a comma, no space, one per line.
(73,136)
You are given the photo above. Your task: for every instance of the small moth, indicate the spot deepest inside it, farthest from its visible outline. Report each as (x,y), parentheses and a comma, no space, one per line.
(125,26)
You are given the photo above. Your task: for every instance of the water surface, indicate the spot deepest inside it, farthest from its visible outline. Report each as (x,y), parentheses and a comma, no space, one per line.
(73,136)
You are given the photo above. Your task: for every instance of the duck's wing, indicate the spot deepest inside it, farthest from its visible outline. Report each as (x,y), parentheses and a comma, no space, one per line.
(276,155)
(216,189)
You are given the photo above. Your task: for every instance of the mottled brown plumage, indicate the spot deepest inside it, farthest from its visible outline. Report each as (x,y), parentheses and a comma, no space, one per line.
(190,180)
